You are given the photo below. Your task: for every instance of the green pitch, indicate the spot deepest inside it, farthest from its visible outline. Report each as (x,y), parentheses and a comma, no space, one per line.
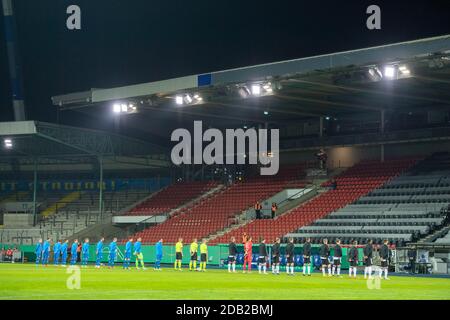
(29,282)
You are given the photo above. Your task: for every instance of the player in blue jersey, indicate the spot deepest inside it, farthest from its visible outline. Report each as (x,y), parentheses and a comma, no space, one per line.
(46,251)
(38,251)
(159,254)
(64,247)
(56,252)
(112,253)
(127,256)
(99,253)
(73,253)
(85,253)
(138,254)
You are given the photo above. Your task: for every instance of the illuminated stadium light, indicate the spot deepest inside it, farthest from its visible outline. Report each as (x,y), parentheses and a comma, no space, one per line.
(266,113)
(198,97)
(256,89)
(179,100)
(327,118)
(188,99)
(123,108)
(116,108)
(8,143)
(404,70)
(389,72)
(375,74)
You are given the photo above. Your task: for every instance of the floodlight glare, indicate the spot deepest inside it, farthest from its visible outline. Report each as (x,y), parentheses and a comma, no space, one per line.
(404,70)
(179,100)
(389,72)
(116,108)
(256,89)
(266,113)
(188,99)
(123,107)
(8,143)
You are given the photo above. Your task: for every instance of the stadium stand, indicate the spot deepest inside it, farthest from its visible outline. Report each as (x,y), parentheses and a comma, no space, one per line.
(172,197)
(353,183)
(219,210)
(404,209)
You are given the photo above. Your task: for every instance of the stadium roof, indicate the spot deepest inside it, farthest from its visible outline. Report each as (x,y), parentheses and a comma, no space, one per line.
(405,76)
(34,140)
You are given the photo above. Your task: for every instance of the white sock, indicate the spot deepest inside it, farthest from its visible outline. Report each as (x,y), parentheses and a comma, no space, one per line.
(287,269)
(264,268)
(329,270)
(354,271)
(333,270)
(385,273)
(229,267)
(338,270)
(309,269)
(234,267)
(350,271)
(259,268)
(292,269)
(304,269)
(365,272)
(381,272)
(369,271)
(323,270)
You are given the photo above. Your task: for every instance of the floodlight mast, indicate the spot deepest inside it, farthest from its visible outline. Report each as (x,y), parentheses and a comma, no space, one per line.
(15,69)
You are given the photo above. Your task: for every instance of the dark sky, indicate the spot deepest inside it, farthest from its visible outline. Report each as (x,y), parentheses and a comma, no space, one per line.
(126,42)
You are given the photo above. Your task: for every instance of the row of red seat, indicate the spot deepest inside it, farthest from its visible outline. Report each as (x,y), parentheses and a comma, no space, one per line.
(172,197)
(375,174)
(219,210)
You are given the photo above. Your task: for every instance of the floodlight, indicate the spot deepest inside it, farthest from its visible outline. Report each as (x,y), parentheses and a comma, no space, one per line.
(8,143)
(188,99)
(123,107)
(179,100)
(404,70)
(256,89)
(389,72)
(266,113)
(116,108)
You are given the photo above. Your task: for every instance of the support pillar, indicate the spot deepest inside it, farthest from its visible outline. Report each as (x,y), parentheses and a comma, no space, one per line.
(35,178)
(100,198)
(320,127)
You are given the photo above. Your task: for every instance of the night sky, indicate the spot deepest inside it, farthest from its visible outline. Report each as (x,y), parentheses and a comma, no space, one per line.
(127,42)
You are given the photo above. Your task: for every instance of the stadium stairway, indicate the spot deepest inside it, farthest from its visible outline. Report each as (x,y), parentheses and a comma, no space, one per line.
(220,210)
(353,183)
(60,204)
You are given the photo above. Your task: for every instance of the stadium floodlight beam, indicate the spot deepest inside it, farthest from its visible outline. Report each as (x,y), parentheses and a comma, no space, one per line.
(266,113)
(8,143)
(404,70)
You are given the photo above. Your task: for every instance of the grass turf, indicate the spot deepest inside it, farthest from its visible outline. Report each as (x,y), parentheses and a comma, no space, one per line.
(33,283)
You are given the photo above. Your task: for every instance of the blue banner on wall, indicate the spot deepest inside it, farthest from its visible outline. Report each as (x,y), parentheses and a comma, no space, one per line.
(86,185)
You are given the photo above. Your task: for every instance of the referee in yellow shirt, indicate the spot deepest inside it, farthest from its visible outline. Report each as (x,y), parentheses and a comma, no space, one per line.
(178,254)
(203,255)
(193,251)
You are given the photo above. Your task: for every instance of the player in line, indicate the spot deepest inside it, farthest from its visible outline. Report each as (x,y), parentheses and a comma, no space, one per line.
(307,257)
(384,255)
(324,253)
(85,253)
(276,257)
(368,253)
(99,253)
(46,251)
(159,255)
(112,253)
(73,253)
(193,251)
(127,256)
(56,252)
(248,246)
(232,253)
(290,248)
(138,254)
(337,258)
(353,259)
(178,254)
(64,247)
(38,251)
(262,263)
(203,255)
